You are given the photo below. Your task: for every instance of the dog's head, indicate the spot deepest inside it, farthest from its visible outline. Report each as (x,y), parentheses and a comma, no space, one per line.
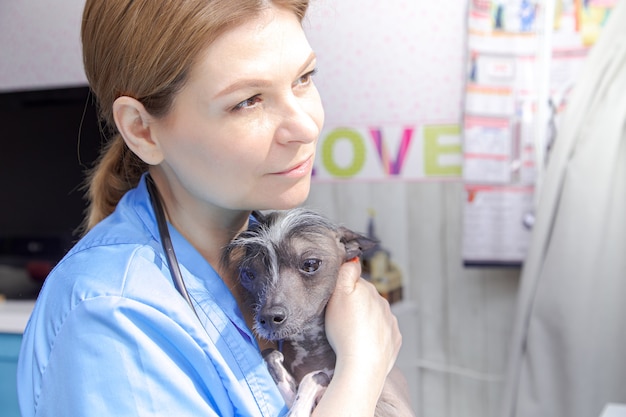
(288,262)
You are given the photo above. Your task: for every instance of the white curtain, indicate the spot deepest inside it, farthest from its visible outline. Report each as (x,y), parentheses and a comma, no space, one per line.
(568,353)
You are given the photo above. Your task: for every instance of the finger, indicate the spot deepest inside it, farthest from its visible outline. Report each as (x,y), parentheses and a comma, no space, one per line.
(349,274)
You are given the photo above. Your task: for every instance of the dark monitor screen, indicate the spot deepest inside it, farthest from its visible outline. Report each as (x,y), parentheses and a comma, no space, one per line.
(49,139)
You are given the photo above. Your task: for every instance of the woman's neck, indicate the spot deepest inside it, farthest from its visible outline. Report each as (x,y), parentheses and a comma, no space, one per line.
(209,228)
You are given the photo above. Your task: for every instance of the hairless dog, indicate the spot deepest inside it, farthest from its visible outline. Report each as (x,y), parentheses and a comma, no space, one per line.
(288,263)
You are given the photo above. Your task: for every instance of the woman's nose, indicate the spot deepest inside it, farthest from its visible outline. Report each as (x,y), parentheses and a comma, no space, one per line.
(300,120)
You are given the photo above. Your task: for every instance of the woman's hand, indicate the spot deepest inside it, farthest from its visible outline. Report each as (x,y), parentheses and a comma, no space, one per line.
(365,336)
(359,322)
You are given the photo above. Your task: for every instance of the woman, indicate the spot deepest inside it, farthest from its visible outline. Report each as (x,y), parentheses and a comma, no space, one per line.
(213,107)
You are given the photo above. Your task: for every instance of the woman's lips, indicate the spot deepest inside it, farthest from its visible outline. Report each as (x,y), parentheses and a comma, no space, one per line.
(301,169)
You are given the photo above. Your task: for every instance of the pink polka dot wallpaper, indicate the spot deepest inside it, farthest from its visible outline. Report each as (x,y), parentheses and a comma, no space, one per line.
(397,61)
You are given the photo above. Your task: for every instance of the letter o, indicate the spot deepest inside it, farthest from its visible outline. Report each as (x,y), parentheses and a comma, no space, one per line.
(358,147)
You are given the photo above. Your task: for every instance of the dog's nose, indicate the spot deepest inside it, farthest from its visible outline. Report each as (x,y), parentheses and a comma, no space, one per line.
(273,316)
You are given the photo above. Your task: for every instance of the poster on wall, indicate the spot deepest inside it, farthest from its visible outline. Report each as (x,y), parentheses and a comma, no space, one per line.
(504,152)
(406,152)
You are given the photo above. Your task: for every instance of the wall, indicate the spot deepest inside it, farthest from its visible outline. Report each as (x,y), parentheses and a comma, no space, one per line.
(40,44)
(383,64)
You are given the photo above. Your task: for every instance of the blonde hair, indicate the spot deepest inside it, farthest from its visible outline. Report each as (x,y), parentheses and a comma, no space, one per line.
(145,49)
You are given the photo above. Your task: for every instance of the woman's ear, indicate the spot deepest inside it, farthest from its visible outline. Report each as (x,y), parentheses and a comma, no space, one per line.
(133,123)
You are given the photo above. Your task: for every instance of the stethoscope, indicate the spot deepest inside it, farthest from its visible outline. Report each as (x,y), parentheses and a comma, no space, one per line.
(166,242)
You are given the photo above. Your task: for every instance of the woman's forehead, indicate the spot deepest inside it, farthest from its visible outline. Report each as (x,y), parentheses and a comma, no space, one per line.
(252,54)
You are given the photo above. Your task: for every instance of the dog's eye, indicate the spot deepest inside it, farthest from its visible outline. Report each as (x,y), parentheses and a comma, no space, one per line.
(311,265)
(247,275)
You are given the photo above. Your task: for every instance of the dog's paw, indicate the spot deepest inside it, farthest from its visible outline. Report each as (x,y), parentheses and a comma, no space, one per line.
(282,378)
(320,378)
(310,391)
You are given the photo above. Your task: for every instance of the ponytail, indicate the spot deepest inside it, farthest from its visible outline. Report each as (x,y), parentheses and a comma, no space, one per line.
(117,171)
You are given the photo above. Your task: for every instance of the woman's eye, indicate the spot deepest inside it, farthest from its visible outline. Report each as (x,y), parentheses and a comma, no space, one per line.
(306,78)
(250,102)
(311,265)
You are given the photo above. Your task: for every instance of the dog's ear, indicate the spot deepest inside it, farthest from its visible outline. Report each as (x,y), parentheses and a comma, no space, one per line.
(355,243)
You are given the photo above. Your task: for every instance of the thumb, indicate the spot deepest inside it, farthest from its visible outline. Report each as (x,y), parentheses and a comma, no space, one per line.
(349,274)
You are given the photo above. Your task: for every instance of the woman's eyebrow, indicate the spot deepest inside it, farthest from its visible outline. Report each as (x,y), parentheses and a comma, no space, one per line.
(307,63)
(254,83)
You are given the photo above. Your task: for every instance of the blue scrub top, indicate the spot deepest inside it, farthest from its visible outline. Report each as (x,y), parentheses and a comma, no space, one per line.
(110,335)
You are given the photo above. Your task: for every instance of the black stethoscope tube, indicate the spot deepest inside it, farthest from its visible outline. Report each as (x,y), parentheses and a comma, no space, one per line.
(166,241)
